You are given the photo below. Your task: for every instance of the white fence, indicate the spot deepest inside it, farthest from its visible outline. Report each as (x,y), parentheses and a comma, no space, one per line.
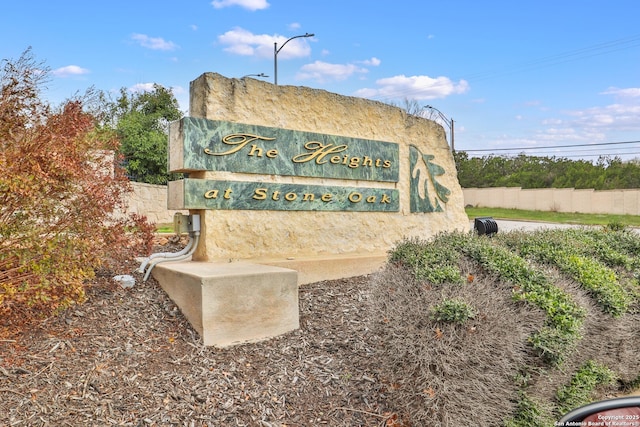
(619,202)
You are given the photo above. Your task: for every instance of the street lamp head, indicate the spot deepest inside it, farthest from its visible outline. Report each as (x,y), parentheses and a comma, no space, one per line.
(255,75)
(447,121)
(276,50)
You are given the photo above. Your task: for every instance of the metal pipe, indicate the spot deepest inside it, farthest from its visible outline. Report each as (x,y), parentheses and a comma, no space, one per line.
(186,255)
(193,224)
(186,249)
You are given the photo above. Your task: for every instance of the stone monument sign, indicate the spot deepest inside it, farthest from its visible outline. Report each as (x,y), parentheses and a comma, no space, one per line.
(305,180)
(281,172)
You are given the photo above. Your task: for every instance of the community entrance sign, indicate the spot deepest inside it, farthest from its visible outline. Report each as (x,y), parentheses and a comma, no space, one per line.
(295,185)
(224,146)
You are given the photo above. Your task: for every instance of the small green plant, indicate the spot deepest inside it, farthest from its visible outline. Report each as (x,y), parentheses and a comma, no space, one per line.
(615,226)
(529,413)
(434,262)
(452,311)
(599,280)
(553,345)
(582,385)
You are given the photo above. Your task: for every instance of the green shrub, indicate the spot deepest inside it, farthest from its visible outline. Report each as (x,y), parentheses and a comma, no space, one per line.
(615,226)
(452,311)
(434,261)
(599,280)
(530,413)
(564,317)
(577,253)
(579,390)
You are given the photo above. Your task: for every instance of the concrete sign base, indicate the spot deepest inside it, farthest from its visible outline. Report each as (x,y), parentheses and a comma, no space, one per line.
(233,303)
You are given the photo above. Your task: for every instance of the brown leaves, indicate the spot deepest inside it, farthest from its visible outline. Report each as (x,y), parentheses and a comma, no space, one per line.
(59,197)
(393,420)
(438,333)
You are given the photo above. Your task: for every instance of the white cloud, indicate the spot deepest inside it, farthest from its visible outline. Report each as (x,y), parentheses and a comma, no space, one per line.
(141,87)
(631,92)
(374,62)
(324,71)
(242,42)
(592,124)
(614,117)
(69,71)
(178,90)
(596,124)
(246,4)
(414,87)
(154,43)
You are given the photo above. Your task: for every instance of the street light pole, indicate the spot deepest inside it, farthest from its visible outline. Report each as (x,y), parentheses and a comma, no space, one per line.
(448,122)
(276,51)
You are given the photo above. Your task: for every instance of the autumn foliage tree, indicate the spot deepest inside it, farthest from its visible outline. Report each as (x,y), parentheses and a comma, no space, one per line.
(60,197)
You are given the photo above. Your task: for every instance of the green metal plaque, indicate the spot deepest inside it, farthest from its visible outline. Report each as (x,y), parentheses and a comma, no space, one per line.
(240,195)
(427,194)
(213,145)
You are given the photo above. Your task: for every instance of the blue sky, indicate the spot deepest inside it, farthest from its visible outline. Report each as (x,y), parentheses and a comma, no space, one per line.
(511,74)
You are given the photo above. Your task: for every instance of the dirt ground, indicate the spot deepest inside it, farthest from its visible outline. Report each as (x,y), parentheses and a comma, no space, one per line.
(128,357)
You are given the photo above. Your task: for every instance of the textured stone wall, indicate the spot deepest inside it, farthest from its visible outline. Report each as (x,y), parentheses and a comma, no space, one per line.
(151,201)
(247,234)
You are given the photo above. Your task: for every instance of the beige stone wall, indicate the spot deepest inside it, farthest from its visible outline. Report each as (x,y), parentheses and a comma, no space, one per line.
(619,202)
(151,201)
(244,234)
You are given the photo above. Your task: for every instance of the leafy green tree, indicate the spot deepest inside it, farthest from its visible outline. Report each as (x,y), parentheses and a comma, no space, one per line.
(142,123)
(608,173)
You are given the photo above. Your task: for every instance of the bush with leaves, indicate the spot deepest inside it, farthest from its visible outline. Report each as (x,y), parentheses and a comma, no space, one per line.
(578,254)
(528,337)
(452,311)
(555,341)
(583,383)
(60,195)
(432,262)
(142,123)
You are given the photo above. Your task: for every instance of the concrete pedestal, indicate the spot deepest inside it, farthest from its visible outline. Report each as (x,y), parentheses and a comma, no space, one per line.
(232,303)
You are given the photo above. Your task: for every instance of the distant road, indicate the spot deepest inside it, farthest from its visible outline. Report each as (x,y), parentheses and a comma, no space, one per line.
(509,225)
(505,225)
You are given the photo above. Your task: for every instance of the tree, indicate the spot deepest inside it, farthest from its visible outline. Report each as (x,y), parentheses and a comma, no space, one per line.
(61,194)
(545,172)
(142,122)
